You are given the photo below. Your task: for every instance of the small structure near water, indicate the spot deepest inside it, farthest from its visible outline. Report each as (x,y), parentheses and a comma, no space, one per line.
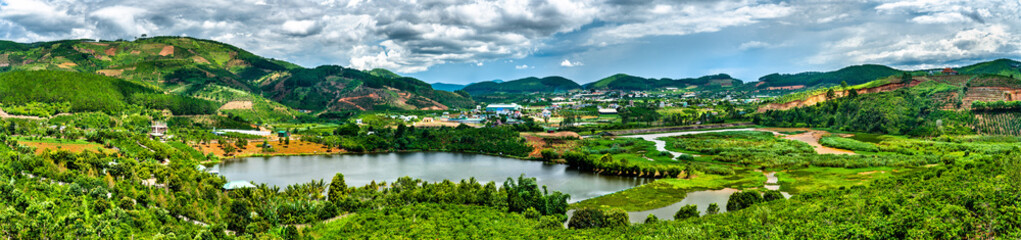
(237,185)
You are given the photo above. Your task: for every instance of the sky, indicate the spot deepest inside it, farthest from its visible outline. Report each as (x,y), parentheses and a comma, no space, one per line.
(464,41)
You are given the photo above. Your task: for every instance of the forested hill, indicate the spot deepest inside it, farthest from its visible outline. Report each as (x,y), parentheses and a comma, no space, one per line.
(524,85)
(450,87)
(1003,67)
(853,75)
(204,68)
(628,82)
(45,93)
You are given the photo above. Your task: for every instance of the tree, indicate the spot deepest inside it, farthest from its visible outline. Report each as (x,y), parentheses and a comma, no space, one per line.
(651,219)
(713,209)
(348,129)
(843,84)
(548,154)
(239,217)
(771,195)
(688,211)
(338,189)
(742,200)
(830,95)
(598,217)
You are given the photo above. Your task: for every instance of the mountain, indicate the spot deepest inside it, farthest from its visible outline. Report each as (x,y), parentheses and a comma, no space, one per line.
(525,85)
(627,82)
(223,73)
(853,75)
(447,86)
(44,93)
(1004,67)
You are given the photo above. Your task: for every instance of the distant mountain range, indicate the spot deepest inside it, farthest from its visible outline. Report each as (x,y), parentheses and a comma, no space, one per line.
(450,87)
(220,73)
(550,84)
(223,73)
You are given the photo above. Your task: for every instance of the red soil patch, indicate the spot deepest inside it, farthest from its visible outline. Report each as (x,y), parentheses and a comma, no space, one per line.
(110,72)
(72,147)
(111,51)
(198,59)
(296,147)
(67,65)
(812,138)
(167,51)
(815,99)
(795,87)
(245,105)
(536,140)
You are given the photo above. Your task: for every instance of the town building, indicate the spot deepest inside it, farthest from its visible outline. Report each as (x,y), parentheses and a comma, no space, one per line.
(503,108)
(158,129)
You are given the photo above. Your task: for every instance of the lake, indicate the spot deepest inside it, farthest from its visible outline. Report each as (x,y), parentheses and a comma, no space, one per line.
(361,169)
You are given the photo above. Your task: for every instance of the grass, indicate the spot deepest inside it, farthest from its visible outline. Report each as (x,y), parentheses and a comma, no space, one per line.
(813,179)
(76,146)
(664,192)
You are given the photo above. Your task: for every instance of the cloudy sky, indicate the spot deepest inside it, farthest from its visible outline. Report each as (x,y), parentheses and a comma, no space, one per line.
(461,41)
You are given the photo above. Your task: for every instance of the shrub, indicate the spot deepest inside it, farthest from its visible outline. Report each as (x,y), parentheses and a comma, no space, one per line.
(771,195)
(713,209)
(742,200)
(598,218)
(651,219)
(688,211)
(849,144)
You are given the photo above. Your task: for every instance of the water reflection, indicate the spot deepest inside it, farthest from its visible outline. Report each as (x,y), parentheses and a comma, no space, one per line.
(362,169)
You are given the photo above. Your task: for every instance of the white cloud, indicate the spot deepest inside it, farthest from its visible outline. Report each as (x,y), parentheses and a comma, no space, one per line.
(301,27)
(413,35)
(753,45)
(691,19)
(568,63)
(523,66)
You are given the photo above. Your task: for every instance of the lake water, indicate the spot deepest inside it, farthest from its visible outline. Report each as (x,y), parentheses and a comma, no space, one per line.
(361,169)
(702,199)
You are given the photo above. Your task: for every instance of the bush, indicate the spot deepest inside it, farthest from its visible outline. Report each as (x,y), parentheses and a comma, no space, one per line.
(849,144)
(713,209)
(598,218)
(551,222)
(688,211)
(685,157)
(742,200)
(771,195)
(651,219)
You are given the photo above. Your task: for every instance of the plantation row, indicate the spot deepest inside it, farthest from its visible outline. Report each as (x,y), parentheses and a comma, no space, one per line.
(1003,123)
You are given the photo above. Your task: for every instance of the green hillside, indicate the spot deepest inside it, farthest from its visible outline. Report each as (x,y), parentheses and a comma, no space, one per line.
(447,86)
(525,85)
(1004,67)
(627,82)
(189,66)
(22,91)
(853,75)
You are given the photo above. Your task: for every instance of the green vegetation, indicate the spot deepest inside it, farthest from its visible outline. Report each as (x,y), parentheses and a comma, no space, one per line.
(83,92)
(897,112)
(598,218)
(628,82)
(496,141)
(852,75)
(814,179)
(551,84)
(848,143)
(664,192)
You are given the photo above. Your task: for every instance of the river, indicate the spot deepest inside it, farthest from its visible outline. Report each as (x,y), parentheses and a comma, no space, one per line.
(661,145)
